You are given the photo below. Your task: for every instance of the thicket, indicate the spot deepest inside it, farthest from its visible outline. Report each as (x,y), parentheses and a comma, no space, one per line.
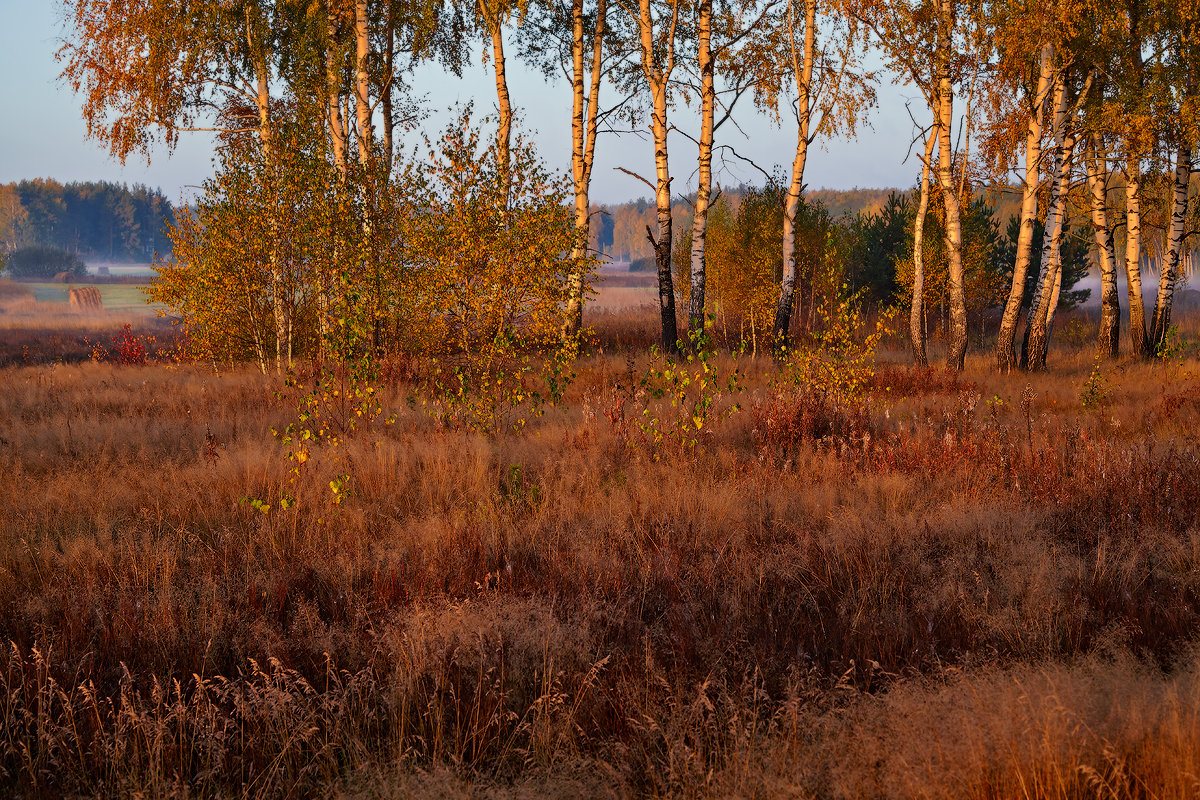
(284,257)
(44,262)
(868,255)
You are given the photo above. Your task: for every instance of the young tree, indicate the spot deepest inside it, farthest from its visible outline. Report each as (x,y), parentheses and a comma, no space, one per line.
(251,248)
(577,38)
(916,316)
(151,68)
(1036,96)
(741,261)
(832,94)
(931,44)
(484,270)
(656,23)
(1067,100)
(1180,43)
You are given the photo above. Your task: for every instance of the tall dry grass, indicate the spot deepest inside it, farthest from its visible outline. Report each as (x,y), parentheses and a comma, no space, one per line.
(966,586)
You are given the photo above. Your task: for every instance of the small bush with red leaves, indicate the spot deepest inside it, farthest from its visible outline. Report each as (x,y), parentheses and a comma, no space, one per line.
(127,347)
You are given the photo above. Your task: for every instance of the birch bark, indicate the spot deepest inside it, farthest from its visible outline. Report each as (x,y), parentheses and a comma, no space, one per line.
(1133,258)
(584,117)
(1109,338)
(802,70)
(708,101)
(657,68)
(956,357)
(916,318)
(1006,358)
(1041,308)
(1175,242)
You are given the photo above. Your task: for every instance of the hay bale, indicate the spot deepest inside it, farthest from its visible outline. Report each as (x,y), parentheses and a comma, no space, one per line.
(63,277)
(86,300)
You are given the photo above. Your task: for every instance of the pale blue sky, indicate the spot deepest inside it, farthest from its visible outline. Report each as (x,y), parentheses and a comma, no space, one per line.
(43,135)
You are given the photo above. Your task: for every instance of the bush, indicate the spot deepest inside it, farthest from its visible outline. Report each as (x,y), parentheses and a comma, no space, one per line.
(44,262)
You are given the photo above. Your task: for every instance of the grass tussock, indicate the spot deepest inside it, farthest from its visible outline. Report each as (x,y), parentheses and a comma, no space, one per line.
(977,586)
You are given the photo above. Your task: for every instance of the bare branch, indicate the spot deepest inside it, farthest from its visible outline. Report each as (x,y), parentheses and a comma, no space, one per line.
(633,174)
(749,161)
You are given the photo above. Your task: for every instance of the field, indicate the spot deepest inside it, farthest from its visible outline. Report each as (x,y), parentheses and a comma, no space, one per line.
(976,586)
(115,296)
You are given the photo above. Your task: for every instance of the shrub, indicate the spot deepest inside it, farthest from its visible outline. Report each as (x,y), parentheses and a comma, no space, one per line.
(44,262)
(127,347)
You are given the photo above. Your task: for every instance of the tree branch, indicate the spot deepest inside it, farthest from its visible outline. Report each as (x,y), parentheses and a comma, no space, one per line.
(632,174)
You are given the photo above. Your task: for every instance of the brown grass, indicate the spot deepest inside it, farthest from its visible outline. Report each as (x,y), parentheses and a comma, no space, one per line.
(962,587)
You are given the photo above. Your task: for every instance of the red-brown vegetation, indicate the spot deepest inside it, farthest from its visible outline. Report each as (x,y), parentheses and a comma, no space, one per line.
(955,587)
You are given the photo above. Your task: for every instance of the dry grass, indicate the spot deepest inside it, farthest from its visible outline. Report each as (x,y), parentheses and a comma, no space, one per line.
(965,587)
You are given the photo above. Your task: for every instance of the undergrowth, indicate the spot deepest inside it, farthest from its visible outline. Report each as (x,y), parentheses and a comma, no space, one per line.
(907,584)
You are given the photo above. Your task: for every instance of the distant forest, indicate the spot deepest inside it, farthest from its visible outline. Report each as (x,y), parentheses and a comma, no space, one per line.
(100,221)
(619,229)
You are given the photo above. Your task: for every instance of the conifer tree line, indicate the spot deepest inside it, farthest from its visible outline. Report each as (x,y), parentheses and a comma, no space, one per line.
(96,220)
(320,224)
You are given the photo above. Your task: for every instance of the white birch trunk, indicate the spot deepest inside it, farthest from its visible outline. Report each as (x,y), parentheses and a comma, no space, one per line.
(708,102)
(956,357)
(657,69)
(916,317)
(584,117)
(1133,258)
(1006,357)
(1109,338)
(1041,310)
(802,69)
(1175,242)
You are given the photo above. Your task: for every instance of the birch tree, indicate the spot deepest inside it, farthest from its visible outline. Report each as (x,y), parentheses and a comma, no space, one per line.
(930,44)
(1096,163)
(1128,114)
(150,70)
(1036,95)
(829,92)
(493,16)
(585,117)
(730,41)
(706,67)
(656,27)
(1180,44)
(1067,100)
(577,39)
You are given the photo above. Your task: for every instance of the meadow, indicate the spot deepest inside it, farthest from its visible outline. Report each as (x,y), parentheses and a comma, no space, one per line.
(115,296)
(944,586)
